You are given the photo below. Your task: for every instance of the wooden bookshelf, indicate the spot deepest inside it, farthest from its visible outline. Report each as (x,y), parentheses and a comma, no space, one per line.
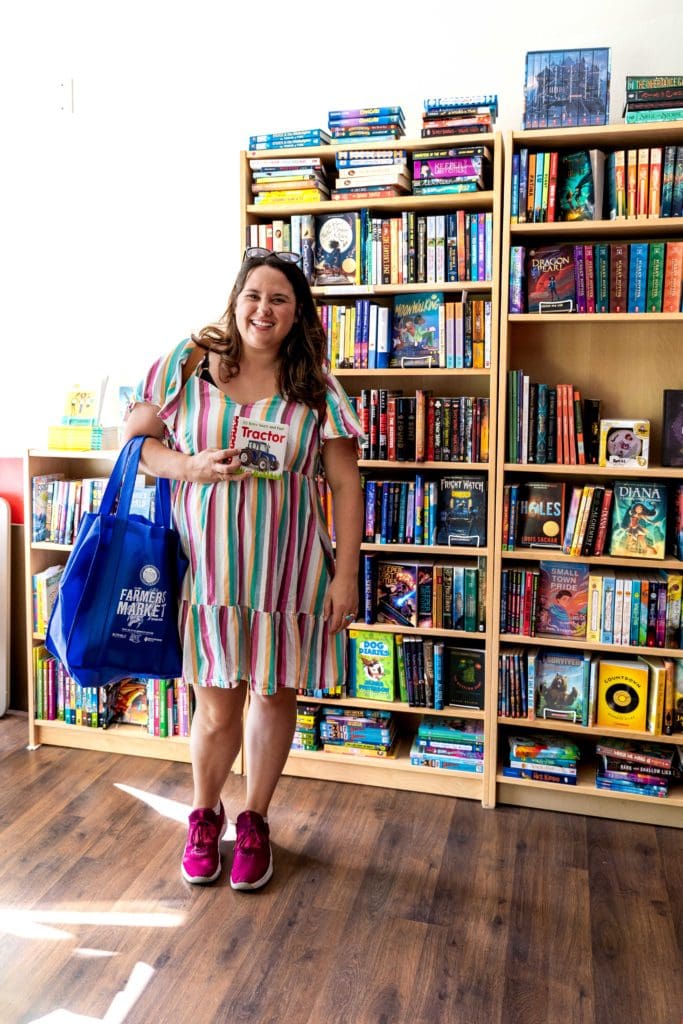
(397,772)
(626,360)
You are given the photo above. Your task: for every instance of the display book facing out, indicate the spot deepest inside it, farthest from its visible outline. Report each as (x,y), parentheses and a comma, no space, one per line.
(618,371)
(408,291)
(136,723)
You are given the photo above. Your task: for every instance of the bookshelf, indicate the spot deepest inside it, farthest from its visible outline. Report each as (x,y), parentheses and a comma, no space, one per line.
(625,360)
(398,772)
(117,738)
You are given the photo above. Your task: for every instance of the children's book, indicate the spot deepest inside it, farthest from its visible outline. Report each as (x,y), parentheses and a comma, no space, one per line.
(563,599)
(371,665)
(622,694)
(337,249)
(541,513)
(464,670)
(561,685)
(396,599)
(580,185)
(550,280)
(639,519)
(461,517)
(261,446)
(418,329)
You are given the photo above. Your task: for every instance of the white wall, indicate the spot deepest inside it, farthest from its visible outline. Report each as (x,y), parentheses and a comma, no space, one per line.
(119,225)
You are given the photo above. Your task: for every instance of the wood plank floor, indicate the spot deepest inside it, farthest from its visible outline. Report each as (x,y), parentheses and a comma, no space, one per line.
(385,908)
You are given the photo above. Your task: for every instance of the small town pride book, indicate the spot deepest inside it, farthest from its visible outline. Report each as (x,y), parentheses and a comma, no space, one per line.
(563,599)
(261,446)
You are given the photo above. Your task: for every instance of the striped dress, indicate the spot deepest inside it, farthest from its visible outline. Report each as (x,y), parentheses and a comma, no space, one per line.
(260,555)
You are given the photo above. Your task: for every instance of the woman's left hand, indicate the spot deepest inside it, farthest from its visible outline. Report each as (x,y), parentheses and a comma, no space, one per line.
(341,603)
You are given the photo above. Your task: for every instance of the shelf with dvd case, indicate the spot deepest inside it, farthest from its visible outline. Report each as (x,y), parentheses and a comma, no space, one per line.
(408,290)
(562,366)
(59,712)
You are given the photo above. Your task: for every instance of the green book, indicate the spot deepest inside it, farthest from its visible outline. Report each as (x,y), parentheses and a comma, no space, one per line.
(655,278)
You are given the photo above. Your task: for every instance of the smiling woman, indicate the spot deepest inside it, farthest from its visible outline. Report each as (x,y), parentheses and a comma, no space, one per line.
(265,602)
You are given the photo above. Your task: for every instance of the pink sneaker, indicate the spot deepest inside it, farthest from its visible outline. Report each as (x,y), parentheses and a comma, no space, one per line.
(202,857)
(252,864)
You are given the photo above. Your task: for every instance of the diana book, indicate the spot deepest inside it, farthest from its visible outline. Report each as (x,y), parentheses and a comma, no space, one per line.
(639,519)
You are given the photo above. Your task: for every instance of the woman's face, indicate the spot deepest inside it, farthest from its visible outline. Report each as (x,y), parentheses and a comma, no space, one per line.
(265,310)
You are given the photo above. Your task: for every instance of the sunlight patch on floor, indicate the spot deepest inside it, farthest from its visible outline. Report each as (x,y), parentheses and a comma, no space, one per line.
(172,809)
(51,924)
(120,1005)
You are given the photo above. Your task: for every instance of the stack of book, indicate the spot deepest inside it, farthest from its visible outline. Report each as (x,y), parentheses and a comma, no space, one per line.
(451,743)
(371,174)
(288,180)
(366,732)
(644,768)
(459,115)
(307,730)
(542,758)
(378,124)
(451,170)
(296,139)
(656,98)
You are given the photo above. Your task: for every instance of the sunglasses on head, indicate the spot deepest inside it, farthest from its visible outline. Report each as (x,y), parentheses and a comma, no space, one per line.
(254,252)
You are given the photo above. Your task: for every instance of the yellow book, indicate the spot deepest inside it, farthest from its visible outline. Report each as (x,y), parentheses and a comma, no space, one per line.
(594,608)
(622,694)
(656,692)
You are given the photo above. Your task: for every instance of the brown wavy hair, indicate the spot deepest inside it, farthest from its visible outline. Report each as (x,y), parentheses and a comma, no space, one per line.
(302,353)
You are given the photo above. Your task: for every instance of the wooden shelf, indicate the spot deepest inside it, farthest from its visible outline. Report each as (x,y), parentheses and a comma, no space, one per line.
(117,739)
(388,773)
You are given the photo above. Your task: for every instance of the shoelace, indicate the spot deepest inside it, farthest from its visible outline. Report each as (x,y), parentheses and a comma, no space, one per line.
(203,833)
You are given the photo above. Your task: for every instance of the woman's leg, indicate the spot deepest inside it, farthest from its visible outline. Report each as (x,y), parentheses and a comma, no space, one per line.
(269,730)
(215,740)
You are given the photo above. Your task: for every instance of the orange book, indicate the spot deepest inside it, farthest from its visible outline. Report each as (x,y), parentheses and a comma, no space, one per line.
(620,181)
(655,188)
(643,192)
(673,269)
(631,181)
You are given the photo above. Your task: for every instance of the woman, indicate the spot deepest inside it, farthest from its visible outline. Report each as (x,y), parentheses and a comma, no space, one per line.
(264,606)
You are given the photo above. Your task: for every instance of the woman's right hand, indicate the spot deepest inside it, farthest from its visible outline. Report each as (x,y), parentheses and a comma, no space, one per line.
(212,465)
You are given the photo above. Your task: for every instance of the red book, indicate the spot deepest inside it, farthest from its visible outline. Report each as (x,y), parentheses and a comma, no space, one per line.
(673,269)
(552,186)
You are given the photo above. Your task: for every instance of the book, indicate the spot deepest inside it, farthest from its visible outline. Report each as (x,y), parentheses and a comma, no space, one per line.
(261,446)
(371,665)
(461,514)
(566,87)
(622,694)
(418,330)
(672,427)
(563,599)
(541,512)
(550,280)
(561,686)
(337,249)
(639,519)
(580,184)
(464,677)
(396,592)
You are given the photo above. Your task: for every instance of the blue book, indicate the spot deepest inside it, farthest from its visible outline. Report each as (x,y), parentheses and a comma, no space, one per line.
(635,612)
(438,676)
(523,183)
(637,277)
(514,198)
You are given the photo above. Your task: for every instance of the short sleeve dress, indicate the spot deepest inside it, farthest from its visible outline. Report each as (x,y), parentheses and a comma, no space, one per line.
(259,551)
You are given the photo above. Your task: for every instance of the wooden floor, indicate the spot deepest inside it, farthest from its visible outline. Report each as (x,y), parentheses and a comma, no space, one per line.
(385,907)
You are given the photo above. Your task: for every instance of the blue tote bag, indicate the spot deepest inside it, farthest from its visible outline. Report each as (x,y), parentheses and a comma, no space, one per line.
(116,611)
